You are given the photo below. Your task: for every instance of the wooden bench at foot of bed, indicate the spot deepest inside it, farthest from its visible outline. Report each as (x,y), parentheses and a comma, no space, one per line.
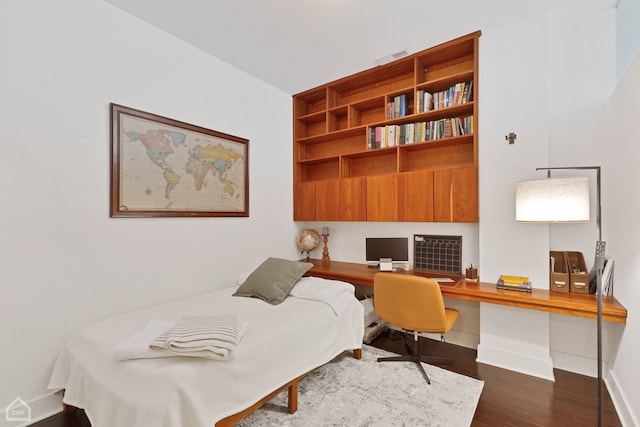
(292,400)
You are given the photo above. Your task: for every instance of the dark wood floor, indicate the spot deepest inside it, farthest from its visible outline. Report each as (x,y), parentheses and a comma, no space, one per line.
(508,398)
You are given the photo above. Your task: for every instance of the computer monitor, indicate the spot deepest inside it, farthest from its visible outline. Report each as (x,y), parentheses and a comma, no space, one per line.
(396,248)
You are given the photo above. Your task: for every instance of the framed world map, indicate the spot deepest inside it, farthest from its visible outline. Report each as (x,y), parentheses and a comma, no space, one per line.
(162,167)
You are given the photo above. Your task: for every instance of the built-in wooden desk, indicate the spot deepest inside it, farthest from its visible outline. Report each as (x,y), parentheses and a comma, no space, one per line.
(539,299)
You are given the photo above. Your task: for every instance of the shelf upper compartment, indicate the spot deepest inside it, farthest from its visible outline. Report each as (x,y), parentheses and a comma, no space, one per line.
(330,136)
(310,102)
(371,83)
(443,82)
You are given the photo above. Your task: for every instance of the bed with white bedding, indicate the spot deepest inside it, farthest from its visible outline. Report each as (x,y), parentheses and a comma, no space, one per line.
(281,343)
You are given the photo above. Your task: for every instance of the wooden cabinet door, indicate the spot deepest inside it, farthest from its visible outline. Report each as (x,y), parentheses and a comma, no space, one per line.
(415,196)
(304,201)
(328,200)
(382,198)
(455,195)
(353,199)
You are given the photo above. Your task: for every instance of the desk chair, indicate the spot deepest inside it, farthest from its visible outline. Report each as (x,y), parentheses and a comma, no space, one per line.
(414,304)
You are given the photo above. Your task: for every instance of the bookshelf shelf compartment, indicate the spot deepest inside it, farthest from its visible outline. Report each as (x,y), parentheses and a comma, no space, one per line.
(442,83)
(339,176)
(334,136)
(338,119)
(348,144)
(445,154)
(320,170)
(369,111)
(312,102)
(381,162)
(379,81)
(312,125)
(447,71)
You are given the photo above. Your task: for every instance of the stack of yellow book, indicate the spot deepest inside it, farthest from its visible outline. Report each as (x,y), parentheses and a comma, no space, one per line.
(516,283)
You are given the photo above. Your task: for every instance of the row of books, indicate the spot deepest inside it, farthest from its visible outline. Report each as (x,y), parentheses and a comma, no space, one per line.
(394,135)
(460,93)
(397,107)
(514,283)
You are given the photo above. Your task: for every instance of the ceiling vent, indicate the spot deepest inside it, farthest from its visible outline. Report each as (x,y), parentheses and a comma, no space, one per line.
(391,57)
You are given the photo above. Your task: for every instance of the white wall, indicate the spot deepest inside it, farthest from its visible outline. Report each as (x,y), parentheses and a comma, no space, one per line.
(623,234)
(513,98)
(581,54)
(628,34)
(64,262)
(622,111)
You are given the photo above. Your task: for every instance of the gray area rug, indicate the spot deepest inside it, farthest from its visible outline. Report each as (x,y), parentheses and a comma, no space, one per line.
(350,392)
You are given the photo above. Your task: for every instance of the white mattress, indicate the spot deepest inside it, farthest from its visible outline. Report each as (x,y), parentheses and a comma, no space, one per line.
(282,343)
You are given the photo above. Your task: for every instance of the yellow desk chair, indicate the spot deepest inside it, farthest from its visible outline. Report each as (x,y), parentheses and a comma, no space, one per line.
(414,304)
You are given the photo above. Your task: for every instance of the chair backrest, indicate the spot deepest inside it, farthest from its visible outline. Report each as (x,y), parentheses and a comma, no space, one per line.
(409,302)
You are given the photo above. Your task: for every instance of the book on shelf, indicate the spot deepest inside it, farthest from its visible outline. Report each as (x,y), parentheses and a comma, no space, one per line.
(424,101)
(397,107)
(460,93)
(516,283)
(520,288)
(448,129)
(513,280)
(371,138)
(467,95)
(391,136)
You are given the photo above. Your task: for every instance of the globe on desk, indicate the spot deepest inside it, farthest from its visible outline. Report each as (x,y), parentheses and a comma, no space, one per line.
(308,240)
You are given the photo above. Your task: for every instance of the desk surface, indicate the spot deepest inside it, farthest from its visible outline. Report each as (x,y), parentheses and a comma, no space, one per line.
(539,299)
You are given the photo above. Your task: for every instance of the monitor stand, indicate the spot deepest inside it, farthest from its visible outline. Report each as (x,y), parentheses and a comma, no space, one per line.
(386,264)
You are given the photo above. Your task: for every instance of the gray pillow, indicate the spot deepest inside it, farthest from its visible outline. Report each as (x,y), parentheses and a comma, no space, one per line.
(273,279)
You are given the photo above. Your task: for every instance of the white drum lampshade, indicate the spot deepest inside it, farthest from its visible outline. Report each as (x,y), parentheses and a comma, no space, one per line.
(553,200)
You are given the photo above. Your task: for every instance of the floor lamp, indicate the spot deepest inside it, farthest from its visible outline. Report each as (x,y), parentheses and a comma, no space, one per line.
(561,200)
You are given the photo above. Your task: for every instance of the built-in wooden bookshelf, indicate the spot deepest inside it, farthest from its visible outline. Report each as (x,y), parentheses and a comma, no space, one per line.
(398,142)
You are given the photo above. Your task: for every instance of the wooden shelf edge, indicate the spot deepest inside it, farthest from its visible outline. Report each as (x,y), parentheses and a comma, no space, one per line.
(580,305)
(461,75)
(332,135)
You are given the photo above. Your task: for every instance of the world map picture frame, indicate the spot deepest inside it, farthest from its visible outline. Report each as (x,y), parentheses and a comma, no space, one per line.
(161,167)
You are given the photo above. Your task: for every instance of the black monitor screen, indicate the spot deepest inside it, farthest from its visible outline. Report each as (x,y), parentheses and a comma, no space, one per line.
(396,248)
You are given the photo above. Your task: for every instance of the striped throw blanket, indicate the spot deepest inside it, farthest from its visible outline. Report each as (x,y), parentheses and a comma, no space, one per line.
(211,337)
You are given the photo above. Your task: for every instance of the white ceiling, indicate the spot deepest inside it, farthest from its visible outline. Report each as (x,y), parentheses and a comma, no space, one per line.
(295,45)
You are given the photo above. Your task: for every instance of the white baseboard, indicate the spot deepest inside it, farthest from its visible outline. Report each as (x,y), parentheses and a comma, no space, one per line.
(41,408)
(627,416)
(537,367)
(575,363)
(461,338)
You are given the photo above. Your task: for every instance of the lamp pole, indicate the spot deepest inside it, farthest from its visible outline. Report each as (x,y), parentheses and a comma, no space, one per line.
(599,265)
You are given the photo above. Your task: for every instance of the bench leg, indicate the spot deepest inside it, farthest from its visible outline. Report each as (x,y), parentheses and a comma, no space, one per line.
(292,405)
